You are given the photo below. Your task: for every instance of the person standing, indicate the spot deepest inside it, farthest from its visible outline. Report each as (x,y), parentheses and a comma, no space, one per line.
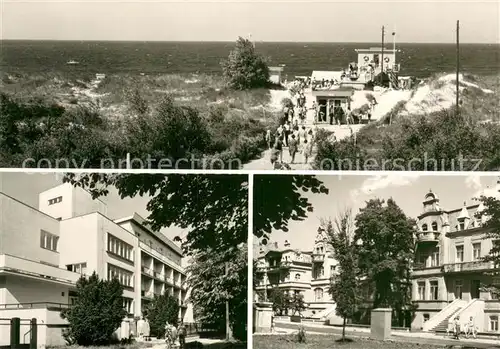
(181,333)
(456,327)
(307,150)
(471,328)
(286,133)
(292,147)
(269,141)
(278,150)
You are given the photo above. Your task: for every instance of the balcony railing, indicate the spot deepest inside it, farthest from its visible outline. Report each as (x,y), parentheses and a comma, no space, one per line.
(158,275)
(428,236)
(318,257)
(147,294)
(467,266)
(156,254)
(35,305)
(147,271)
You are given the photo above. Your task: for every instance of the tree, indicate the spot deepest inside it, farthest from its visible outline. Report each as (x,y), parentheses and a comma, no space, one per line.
(281,301)
(385,250)
(280,198)
(211,287)
(344,287)
(97,313)
(297,304)
(162,309)
(492,225)
(244,68)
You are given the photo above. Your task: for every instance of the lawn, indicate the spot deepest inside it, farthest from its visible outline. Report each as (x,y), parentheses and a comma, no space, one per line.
(327,342)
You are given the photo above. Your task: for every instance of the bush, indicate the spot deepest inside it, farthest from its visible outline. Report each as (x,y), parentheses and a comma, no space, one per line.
(97,312)
(301,335)
(163,309)
(244,68)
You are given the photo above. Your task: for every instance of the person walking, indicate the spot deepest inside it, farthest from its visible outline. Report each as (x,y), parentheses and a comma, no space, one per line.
(278,149)
(181,333)
(307,150)
(269,140)
(292,147)
(286,132)
(471,329)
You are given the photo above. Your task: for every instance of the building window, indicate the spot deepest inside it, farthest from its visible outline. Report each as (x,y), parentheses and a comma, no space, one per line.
(318,294)
(435,257)
(125,277)
(55,200)
(494,323)
(120,248)
(434,226)
(426,317)
(48,241)
(476,251)
(127,305)
(80,268)
(421,291)
(458,289)
(434,290)
(424,227)
(460,253)
(297,276)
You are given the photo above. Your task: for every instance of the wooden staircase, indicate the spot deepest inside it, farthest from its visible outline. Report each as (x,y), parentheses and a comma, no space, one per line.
(443,325)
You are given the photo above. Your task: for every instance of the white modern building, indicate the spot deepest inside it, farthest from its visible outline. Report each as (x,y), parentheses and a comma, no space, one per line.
(45,250)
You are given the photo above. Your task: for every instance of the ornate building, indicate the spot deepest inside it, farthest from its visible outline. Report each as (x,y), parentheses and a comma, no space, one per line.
(295,271)
(449,278)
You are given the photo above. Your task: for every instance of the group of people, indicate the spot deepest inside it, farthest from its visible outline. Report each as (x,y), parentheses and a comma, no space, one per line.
(469,329)
(172,334)
(298,139)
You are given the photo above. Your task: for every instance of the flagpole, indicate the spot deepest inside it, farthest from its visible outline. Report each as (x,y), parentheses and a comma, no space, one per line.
(394,43)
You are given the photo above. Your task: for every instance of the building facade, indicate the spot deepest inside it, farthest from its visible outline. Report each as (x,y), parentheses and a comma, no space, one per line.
(294,271)
(448,278)
(44,251)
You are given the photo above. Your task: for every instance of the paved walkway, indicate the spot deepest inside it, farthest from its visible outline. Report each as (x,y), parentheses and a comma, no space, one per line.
(160,343)
(411,337)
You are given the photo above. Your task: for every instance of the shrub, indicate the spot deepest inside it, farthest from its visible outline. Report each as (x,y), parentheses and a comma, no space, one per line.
(163,309)
(244,68)
(97,313)
(301,335)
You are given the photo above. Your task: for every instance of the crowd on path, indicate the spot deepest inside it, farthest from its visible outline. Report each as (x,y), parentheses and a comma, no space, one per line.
(172,334)
(292,134)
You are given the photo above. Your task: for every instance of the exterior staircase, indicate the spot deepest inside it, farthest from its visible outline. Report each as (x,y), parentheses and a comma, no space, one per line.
(443,325)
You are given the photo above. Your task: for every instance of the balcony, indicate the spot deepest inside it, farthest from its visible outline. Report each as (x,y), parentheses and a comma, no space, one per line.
(147,294)
(318,258)
(467,267)
(35,305)
(158,275)
(428,236)
(147,271)
(160,257)
(20,266)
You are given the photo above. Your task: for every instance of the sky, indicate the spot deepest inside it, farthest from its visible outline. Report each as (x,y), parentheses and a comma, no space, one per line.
(407,189)
(25,187)
(265,20)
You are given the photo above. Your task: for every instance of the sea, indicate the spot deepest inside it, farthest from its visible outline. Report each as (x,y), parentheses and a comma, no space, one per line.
(420,60)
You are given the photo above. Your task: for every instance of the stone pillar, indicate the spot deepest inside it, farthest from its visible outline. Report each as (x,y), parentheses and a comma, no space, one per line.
(263,317)
(381,323)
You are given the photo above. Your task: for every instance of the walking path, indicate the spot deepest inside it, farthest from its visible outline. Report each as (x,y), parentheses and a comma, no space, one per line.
(411,337)
(160,343)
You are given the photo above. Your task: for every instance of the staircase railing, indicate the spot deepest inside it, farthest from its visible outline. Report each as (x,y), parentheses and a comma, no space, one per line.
(441,316)
(393,79)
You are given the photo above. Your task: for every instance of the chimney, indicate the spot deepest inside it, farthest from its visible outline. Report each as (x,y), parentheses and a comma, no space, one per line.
(287,243)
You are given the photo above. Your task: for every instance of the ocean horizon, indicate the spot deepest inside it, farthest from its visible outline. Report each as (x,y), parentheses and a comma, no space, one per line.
(195,57)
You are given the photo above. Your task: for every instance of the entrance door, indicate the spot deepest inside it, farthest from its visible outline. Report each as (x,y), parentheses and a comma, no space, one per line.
(323,112)
(458,289)
(475,289)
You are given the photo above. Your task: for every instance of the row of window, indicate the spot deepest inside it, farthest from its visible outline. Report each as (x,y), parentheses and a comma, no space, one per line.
(55,200)
(120,248)
(48,241)
(124,276)
(459,254)
(475,287)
